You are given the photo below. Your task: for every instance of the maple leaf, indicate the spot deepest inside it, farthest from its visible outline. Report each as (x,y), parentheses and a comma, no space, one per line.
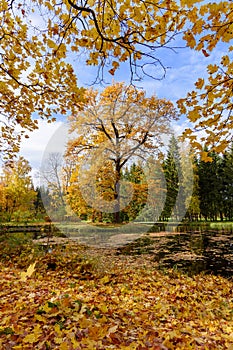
(28,273)
(199,84)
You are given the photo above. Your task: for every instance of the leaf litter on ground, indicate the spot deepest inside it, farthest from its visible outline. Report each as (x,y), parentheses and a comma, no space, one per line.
(75,299)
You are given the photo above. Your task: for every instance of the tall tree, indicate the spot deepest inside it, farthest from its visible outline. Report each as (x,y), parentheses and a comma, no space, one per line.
(52,174)
(174,181)
(210,186)
(135,175)
(191,182)
(117,125)
(227,184)
(55,177)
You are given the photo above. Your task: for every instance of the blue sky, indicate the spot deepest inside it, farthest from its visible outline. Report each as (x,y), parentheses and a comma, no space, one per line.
(185,67)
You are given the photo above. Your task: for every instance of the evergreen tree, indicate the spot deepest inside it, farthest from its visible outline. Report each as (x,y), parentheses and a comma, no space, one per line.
(227,184)
(194,205)
(173,175)
(135,175)
(210,186)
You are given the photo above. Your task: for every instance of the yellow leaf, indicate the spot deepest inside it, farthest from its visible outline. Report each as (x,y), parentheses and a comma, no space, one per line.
(40,318)
(188,36)
(197,145)
(57,329)
(205,157)
(193,115)
(61,52)
(33,337)
(189,3)
(51,44)
(212,68)
(84,323)
(103,308)
(28,273)
(225,60)
(30,338)
(105,280)
(199,84)
(63,346)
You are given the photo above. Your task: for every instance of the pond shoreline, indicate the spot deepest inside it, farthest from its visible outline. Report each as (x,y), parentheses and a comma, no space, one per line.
(192,253)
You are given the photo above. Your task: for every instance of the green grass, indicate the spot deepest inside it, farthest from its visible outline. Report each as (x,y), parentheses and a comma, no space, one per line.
(226,226)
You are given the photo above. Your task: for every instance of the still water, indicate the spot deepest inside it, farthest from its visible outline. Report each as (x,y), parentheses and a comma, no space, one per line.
(192,253)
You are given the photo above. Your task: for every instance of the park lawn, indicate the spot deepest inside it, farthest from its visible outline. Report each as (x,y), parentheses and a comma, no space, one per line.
(75,299)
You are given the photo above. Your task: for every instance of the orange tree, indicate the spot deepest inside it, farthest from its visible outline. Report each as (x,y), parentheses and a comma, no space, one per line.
(116,126)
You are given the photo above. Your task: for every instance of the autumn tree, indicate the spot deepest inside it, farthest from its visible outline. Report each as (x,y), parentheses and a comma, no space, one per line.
(39,38)
(17,192)
(104,185)
(35,81)
(118,125)
(209,106)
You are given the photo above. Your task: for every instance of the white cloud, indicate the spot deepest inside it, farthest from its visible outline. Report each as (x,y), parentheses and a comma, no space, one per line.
(33,148)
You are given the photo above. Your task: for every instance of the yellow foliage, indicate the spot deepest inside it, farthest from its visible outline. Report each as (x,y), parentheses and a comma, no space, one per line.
(28,273)
(199,84)
(116,125)
(141,307)
(189,37)
(205,157)
(214,104)
(34,57)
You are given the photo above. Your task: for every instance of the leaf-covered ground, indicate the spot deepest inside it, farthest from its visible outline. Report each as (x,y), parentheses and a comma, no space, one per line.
(86,299)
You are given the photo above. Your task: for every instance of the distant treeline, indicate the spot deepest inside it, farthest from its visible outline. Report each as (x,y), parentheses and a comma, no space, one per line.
(206,194)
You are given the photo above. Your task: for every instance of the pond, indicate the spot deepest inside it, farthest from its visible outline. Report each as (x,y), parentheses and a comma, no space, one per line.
(192,253)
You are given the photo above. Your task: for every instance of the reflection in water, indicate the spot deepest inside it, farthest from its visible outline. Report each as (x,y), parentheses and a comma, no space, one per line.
(194,253)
